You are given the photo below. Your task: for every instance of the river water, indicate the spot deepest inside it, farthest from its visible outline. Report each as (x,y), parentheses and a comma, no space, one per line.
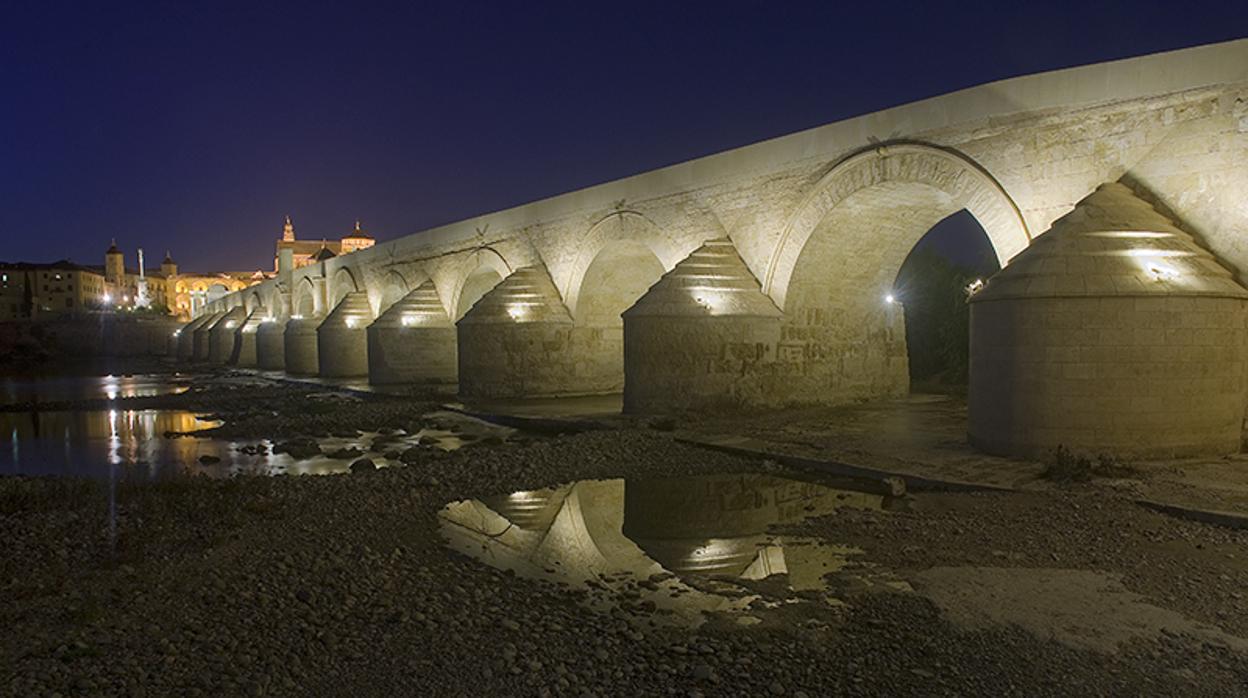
(139,444)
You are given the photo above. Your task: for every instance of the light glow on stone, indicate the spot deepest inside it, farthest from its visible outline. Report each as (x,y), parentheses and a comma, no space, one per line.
(1130,234)
(1161,272)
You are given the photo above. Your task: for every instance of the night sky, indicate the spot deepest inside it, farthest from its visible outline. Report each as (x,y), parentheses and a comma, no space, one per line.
(195,127)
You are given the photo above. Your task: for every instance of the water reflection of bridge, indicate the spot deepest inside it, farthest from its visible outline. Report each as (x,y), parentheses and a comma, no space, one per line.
(630,537)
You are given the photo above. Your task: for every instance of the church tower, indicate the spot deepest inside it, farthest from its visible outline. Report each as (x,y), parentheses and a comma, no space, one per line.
(114,266)
(168,268)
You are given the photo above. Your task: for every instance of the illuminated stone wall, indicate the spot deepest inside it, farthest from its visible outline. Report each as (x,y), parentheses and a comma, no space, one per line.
(1114,333)
(821,220)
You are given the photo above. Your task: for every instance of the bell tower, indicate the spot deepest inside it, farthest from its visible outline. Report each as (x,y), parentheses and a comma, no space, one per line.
(114,266)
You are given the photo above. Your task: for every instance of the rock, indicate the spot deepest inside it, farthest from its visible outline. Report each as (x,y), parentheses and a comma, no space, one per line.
(704,672)
(299,449)
(893,486)
(209,460)
(363,465)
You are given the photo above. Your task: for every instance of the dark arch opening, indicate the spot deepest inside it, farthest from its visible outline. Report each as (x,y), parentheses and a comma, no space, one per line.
(932,288)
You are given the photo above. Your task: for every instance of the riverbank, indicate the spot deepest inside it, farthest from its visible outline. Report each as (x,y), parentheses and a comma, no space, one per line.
(340,585)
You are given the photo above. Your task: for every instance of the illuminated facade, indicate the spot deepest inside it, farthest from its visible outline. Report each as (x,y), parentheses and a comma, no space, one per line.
(305,252)
(180,293)
(29,291)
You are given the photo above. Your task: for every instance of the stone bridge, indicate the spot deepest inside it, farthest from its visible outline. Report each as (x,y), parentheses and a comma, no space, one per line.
(757,276)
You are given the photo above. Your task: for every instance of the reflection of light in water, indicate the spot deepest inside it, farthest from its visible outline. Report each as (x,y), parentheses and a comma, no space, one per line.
(712,528)
(110,387)
(88,442)
(114,442)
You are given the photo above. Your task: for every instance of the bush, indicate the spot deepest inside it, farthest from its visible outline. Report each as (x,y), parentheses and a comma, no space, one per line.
(1067,466)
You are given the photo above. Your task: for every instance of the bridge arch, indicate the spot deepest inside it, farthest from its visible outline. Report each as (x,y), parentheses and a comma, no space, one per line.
(344,282)
(844,336)
(929,181)
(623,252)
(394,286)
(252,301)
(483,270)
(303,299)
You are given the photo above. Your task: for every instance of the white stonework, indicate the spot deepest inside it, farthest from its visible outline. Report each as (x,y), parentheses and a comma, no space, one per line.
(823,218)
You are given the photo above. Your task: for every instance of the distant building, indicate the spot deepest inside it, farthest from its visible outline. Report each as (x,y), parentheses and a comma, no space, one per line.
(306,252)
(29,290)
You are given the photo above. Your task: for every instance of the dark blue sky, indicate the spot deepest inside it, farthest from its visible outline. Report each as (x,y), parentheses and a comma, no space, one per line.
(196,126)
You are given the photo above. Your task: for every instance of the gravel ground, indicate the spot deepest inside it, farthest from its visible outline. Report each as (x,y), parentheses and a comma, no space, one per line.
(338,585)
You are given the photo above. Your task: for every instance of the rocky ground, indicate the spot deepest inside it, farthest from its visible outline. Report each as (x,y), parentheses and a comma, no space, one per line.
(338,585)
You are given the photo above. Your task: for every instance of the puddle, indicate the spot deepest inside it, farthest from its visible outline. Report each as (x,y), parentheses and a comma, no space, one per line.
(673,551)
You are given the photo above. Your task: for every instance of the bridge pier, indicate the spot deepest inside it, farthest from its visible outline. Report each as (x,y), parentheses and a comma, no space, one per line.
(222,335)
(517,342)
(271,345)
(413,341)
(342,339)
(300,346)
(245,339)
(1103,344)
(203,337)
(701,337)
(185,351)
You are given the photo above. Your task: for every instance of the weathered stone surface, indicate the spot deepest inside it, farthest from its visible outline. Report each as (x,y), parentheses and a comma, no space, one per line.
(413,341)
(697,335)
(342,338)
(245,338)
(1114,332)
(823,219)
(271,345)
(223,333)
(301,349)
